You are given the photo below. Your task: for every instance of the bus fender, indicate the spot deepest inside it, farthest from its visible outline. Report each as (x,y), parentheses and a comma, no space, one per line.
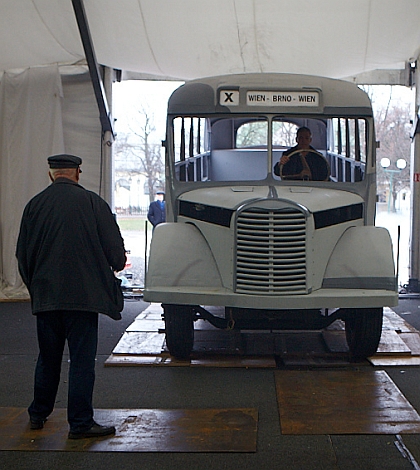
(180,256)
(362,259)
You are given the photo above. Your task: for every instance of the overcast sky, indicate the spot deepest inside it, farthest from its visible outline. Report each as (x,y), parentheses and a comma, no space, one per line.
(132,95)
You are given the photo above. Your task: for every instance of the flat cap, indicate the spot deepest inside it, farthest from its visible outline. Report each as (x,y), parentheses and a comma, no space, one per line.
(160,192)
(64,161)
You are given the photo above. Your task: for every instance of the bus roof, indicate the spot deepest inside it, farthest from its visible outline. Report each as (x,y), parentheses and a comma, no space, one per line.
(270,93)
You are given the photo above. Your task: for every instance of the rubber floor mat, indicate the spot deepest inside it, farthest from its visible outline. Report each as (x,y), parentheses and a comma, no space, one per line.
(343,402)
(138,430)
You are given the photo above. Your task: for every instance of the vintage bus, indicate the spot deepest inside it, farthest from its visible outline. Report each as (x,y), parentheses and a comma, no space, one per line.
(250,243)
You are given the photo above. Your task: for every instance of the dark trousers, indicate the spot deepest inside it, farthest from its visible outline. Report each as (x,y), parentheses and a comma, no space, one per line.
(80,329)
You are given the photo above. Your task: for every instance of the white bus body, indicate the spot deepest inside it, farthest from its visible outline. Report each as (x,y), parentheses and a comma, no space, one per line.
(246,248)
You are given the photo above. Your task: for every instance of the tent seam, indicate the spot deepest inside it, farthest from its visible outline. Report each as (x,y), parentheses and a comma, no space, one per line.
(367,34)
(239,36)
(147,37)
(50,32)
(255,36)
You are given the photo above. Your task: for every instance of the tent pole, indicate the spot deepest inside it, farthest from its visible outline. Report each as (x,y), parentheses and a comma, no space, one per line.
(107,174)
(413,282)
(97,83)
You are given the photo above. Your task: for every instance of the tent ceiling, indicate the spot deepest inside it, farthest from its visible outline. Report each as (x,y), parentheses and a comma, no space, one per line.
(194,38)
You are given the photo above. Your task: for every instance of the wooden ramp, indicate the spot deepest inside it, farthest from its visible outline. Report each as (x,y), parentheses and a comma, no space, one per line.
(143,344)
(400,343)
(139,430)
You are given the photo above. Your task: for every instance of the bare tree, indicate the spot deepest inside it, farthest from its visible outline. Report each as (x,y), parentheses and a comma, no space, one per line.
(393,133)
(137,152)
(255,133)
(284,133)
(251,134)
(393,126)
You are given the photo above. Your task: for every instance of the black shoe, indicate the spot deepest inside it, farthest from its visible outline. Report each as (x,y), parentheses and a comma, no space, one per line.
(95,431)
(37,423)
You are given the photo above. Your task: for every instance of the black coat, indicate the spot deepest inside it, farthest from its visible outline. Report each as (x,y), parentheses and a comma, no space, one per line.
(68,246)
(316,163)
(156,215)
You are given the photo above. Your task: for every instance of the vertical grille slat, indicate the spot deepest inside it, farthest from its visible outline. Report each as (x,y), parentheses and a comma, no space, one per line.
(271,251)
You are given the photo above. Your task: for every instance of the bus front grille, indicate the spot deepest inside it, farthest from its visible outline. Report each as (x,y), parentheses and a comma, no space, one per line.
(271,251)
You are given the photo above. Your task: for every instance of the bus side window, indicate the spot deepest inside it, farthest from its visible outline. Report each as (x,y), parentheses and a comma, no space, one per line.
(347,155)
(190,149)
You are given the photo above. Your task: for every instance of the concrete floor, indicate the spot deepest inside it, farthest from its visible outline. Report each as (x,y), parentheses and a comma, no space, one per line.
(173,388)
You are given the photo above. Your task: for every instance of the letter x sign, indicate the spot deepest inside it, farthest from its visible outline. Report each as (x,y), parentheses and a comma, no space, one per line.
(229,97)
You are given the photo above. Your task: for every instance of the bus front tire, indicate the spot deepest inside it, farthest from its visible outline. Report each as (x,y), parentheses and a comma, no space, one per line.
(179,329)
(363,332)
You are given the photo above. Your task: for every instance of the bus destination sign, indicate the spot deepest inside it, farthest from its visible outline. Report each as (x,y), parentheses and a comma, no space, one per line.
(282,98)
(271,98)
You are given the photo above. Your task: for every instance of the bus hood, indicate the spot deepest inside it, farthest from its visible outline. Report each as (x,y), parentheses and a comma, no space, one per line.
(232,197)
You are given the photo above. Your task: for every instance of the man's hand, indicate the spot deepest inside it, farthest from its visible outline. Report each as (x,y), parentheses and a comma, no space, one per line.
(284,159)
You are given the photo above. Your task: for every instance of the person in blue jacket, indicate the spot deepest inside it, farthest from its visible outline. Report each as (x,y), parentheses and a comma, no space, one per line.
(68,248)
(157,212)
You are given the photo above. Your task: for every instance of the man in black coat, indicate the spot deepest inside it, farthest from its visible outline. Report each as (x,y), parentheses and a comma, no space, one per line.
(303,162)
(69,244)
(157,212)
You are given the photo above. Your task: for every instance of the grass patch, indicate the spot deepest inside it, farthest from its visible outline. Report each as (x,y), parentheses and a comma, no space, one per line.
(135,224)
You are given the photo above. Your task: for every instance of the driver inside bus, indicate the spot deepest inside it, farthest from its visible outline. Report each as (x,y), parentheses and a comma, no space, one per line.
(303,162)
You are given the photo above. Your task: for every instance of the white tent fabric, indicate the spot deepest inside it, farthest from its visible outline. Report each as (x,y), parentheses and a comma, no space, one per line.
(30,96)
(82,128)
(37,120)
(160,39)
(194,38)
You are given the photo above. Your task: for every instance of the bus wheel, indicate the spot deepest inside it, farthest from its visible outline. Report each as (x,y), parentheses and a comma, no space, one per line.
(179,328)
(363,332)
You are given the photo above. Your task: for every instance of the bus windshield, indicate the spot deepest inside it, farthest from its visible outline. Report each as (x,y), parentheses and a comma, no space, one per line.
(251,147)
